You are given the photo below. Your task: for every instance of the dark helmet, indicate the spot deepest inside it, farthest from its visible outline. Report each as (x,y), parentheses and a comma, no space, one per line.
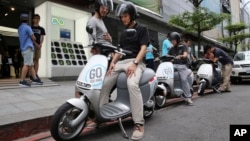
(175,36)
(127,7)
(107,3)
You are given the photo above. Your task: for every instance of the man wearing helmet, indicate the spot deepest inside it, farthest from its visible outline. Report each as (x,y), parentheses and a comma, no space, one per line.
(100,33)
(180,63)
(132,64)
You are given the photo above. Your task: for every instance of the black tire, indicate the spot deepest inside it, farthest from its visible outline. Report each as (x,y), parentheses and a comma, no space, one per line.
(160,101)
(148,111)
(59,129)
(201,88)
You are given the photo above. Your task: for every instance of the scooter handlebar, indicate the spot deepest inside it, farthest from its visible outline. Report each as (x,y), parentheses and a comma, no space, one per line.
(167,58)
(113,48)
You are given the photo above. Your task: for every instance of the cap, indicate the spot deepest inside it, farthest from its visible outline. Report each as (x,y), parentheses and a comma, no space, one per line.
(24,17)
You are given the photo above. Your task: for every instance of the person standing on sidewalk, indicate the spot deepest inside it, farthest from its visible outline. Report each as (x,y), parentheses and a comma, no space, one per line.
(39,33)
(27,39)
(166,45)
(149,57)
(191,58)
(227,65)
(180,51)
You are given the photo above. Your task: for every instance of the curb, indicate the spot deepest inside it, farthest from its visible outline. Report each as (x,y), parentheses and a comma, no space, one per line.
(37,129)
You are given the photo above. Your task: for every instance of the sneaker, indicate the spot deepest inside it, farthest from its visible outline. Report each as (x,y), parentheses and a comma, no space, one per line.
(31,78)
(38,77)
(37,82)
(190,102)
(24,83)
(138,132)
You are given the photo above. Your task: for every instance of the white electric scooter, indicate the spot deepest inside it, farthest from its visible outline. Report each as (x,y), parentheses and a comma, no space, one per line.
(70,118)
(208,76)
(169,78)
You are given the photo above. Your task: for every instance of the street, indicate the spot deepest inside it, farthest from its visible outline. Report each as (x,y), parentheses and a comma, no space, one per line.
(208,120)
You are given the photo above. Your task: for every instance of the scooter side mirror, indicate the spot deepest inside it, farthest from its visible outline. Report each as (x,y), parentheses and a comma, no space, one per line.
(89,29)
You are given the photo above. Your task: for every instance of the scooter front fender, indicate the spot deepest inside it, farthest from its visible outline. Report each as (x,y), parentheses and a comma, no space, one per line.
(78,102)
(81,104)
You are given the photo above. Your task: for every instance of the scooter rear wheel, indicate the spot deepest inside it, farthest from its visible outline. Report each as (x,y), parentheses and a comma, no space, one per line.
(148,111)
(201,88)
(60,129)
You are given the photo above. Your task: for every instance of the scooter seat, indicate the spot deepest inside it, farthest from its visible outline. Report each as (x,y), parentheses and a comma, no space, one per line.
(146,76)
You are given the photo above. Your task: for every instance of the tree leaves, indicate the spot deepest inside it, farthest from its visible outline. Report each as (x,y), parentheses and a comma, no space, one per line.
(198,21)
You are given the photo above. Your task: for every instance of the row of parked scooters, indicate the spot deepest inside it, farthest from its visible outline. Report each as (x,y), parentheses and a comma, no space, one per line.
(70,118)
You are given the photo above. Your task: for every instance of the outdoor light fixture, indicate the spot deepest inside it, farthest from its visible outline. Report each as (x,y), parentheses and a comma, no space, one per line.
(12,8)
(6,14)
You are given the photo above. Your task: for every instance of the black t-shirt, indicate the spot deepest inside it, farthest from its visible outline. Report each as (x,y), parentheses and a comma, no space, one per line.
(134,44)
(223,57)
(38,32)
(175,51)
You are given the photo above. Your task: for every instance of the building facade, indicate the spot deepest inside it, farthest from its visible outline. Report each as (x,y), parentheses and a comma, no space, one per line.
(63,52)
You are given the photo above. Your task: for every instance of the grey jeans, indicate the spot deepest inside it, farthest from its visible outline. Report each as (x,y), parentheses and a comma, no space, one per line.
(184,74)
(133,88)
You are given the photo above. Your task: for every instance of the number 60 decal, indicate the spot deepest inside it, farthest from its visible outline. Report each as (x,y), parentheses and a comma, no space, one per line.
(95,73)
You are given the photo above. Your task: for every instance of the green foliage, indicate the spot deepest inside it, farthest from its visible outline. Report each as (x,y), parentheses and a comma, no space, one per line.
(198,21)
(235,28)
(236,39)
(236,35)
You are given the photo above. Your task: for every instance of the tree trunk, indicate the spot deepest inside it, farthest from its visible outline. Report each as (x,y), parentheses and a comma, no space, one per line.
(235,48)
(199,40)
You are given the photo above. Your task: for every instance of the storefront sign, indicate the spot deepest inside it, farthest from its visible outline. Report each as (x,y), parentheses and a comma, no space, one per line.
(57,21)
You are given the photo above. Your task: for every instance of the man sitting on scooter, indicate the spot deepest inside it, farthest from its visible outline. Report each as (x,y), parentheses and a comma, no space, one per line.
(180,63)
(132,64)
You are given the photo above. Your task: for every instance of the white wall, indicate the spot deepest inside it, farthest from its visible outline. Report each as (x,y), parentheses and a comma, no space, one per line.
(76,21)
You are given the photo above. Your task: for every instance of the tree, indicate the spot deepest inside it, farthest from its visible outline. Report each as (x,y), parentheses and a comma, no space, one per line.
(236,36)
(201,19)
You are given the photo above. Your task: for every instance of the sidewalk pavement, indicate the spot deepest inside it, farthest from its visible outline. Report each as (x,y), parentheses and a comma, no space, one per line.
(20,106)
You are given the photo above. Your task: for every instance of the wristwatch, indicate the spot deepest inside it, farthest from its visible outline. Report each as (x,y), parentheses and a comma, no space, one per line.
(135,62)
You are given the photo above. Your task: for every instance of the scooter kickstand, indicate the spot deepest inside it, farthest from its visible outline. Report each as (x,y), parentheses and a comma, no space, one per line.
(122,129)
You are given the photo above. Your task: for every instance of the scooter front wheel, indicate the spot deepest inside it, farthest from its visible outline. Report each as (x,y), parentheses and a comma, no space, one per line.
(60,125)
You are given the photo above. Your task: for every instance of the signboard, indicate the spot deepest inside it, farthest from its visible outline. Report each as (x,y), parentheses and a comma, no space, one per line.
(152,5)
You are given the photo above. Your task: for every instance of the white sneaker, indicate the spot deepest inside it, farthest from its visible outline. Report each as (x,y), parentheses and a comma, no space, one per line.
(190,102)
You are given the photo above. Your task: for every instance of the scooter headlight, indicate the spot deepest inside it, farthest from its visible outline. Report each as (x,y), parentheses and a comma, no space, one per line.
(83,85)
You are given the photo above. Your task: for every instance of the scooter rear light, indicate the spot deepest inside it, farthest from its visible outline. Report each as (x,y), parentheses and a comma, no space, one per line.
(152,79)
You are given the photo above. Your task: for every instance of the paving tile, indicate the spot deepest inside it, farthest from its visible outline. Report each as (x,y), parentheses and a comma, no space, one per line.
(47,103)
(28,106)
(9,109)
(33,97)
(4,94)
